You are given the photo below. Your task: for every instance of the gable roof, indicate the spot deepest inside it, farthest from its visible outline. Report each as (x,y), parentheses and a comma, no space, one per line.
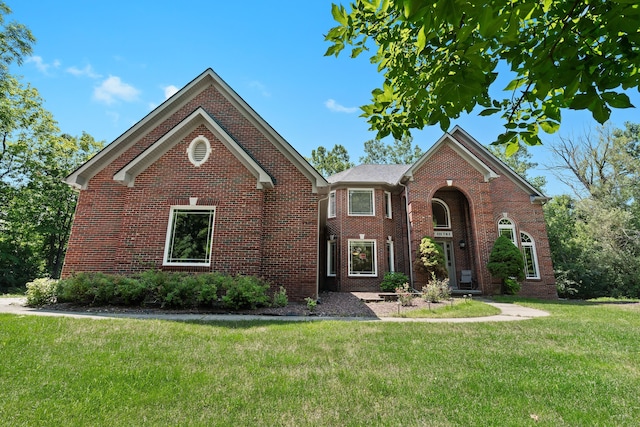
(370,174)
(461,150)
(81,176)
(140,163)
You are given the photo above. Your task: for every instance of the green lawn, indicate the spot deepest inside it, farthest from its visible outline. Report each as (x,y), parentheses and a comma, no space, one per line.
(578,367)
(459,308)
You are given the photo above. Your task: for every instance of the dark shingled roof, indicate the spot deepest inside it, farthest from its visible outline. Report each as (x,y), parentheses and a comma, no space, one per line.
(370,174)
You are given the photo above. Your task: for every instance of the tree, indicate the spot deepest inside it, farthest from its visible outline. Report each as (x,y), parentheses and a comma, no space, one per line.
(595,235)
(431,258)
(15,41)
(604,166)
(507,264)
(442,58)
(330,162)
(401,152)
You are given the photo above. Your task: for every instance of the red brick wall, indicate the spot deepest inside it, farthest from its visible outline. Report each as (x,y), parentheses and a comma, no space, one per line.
(487,201)
(270,233)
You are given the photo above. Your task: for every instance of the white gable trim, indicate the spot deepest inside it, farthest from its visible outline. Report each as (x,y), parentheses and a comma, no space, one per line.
(461,150)
(81,176)
(131,170)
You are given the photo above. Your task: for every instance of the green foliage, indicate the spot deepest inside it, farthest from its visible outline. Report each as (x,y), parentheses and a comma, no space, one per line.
(41,292)
(594,236)
(330,162)
(440,59)
(166,290)
(431,257)
(506,262)
(436,290)
(393,280)
(311,303)
(246,292)
(280,298)
(400,153)
(511,286)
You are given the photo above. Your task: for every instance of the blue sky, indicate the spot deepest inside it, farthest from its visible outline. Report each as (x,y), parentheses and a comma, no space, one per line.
(102,66)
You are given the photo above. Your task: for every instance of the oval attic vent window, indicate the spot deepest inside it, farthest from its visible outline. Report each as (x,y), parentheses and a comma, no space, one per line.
(199,150)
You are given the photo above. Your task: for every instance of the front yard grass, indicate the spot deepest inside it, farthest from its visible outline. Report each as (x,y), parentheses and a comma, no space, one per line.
(578,366)
(459,308)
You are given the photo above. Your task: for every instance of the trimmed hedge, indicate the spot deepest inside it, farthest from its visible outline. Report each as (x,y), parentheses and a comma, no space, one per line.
(155,288)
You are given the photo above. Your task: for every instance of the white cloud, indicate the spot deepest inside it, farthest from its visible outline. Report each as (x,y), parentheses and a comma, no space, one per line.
(113,89)
(169,91)
(86,71)
(260,87)
(42,66)
(332,105)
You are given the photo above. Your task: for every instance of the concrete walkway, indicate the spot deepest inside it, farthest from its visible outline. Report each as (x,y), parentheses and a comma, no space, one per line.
(510,312)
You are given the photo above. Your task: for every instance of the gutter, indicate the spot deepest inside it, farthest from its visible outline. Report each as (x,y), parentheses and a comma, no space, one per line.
(406,209)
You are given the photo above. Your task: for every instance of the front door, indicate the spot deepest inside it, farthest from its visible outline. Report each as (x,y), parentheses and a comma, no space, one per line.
(449,262)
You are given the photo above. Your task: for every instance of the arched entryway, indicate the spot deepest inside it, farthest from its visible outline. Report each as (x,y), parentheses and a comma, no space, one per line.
(453,230)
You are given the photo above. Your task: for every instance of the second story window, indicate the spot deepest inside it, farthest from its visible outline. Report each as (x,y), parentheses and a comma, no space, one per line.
(361,202)
(441,216)
(387,205)
(332,205)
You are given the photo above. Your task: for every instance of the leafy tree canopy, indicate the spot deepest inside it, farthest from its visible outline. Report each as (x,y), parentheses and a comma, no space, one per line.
(330,162)
(401,152)
(441,58)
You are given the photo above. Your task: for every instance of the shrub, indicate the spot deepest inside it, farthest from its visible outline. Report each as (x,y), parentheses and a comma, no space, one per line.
(180,291)
(210,284)
(436,290)
(246,292)
(405,296)
(431,257)
(87,289)
(311,303)
(510,286)
(393,280)
(280,298)
(506,262)
(129,291)
(41,292)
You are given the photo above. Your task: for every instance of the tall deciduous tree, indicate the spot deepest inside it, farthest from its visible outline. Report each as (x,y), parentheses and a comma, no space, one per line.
(330,162)
(441,58)
(401,152)
(595,235)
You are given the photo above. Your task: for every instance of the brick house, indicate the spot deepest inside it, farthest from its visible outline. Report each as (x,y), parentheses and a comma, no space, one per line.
(203,183)
(457,193)
(200,184)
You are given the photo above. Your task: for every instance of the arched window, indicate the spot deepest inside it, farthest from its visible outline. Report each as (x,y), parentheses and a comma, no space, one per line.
(441,216)
(531,270)
(506,227)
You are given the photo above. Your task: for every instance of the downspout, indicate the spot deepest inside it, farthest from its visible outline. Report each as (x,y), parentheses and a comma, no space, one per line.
(406,209)
(319,245)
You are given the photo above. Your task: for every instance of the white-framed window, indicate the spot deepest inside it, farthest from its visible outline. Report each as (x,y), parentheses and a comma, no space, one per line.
(332,258)
(331,213)
(361,202)
(506,227)
(531,270)
(388,211)
(390,256)
(363,260)
(441,214)
(199,150)
(189,236)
